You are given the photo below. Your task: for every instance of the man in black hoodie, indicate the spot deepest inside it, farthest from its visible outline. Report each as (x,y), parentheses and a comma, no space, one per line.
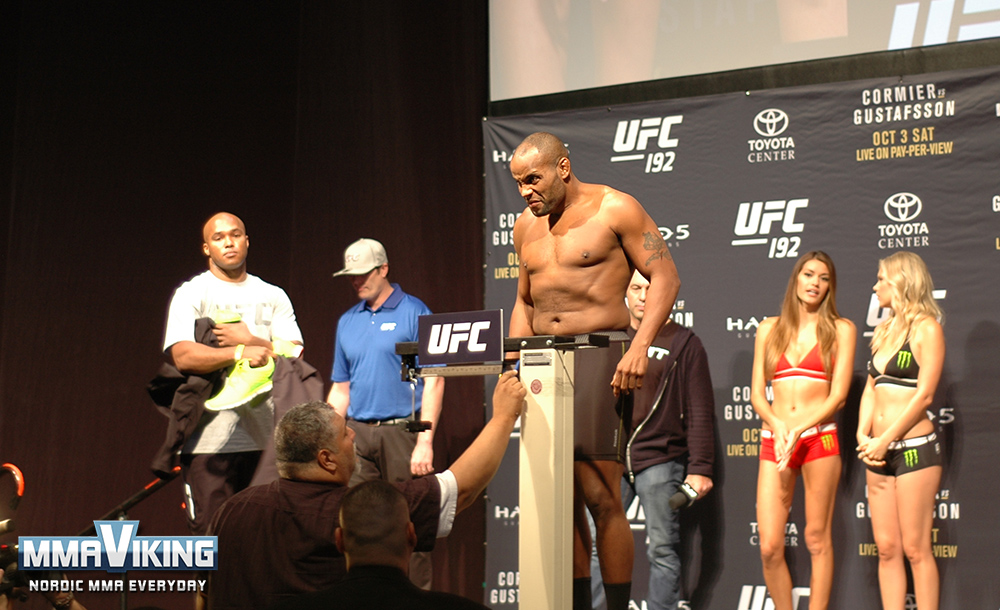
(672,442)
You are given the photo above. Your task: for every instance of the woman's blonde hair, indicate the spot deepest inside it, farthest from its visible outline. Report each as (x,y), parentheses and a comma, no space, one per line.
(912,299)
(788,324)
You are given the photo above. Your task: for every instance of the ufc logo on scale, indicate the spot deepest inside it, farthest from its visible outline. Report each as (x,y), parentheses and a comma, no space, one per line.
(460,338)
(458,333)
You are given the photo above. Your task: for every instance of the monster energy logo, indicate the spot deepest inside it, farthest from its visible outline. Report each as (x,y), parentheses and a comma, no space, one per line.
(910,455)
(827,440)
(904,359)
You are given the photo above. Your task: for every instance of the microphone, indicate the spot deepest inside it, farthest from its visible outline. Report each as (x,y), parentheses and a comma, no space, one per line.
(685,496)
(7,525)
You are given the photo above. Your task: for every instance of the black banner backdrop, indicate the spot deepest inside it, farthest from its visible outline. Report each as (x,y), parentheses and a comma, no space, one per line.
(740,186)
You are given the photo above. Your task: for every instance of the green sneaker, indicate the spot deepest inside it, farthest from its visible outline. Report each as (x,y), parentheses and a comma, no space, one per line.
(224,316)
(286,348)
(243,384)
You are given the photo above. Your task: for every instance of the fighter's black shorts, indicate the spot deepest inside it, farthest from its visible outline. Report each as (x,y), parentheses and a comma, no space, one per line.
(909,455)
(601,421)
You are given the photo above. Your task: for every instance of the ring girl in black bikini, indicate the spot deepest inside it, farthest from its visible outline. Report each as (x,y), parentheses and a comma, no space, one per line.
(896,440)
(798,433)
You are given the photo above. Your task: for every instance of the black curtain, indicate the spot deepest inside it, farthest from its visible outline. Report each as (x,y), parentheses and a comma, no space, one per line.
(124,125)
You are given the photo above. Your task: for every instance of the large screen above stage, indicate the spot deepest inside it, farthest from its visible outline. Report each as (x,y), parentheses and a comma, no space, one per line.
(538,47)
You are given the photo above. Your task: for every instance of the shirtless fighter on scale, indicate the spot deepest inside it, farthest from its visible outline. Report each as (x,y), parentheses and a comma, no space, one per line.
(578,248)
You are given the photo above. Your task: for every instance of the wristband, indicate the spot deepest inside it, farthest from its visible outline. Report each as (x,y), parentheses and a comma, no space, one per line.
(238,354)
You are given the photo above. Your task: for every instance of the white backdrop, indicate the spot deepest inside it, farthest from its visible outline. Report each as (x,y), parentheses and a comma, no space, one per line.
(539,47)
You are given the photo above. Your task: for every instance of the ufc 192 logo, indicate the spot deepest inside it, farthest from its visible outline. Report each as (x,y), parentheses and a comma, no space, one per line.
(757,218)
(756,598)
(877,315)
(633,137)
(447,338)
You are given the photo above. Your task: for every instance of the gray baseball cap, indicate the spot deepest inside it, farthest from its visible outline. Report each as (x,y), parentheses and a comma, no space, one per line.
(362,256)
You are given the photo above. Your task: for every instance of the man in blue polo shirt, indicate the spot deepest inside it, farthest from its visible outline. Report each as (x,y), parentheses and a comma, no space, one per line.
(367,388)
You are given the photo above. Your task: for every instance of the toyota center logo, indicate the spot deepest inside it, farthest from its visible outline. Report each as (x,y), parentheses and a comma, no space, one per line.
(771,122)
(903,207)
(905,231)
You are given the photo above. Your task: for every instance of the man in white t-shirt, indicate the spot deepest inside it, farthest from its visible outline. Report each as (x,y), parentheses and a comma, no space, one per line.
(220,457)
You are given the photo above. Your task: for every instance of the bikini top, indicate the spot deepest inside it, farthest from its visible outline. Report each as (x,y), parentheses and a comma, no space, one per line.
(811,367)
(901,370)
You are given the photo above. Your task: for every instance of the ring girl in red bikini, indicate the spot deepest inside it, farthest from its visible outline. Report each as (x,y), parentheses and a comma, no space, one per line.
(896,440)
(807,354)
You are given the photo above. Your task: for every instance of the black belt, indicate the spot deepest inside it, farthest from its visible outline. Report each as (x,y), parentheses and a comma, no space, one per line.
(385,422)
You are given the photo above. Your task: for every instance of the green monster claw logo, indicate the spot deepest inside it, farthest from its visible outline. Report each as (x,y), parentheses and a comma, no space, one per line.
(904,359)
(910,455)
(827,440)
